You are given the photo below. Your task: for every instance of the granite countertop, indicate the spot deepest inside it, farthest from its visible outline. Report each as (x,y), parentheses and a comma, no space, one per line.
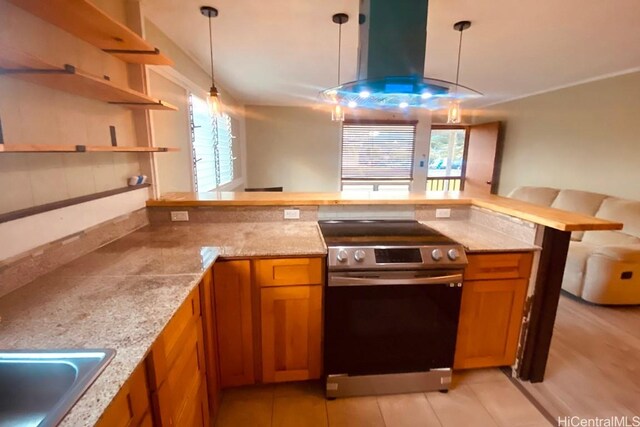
(122,295)
(478,238)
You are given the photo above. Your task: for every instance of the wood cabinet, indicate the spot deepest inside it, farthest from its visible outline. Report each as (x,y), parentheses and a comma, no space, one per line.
(291,321)
(176,369)
(491,311)
(269,319)
(233,306)
(131,406)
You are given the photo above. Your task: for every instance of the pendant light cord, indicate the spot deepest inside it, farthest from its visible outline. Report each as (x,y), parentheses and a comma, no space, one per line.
(211,51)
(339,49)
(459,51)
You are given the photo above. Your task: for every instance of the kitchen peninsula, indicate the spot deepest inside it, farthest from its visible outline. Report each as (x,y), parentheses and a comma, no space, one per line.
(128,294)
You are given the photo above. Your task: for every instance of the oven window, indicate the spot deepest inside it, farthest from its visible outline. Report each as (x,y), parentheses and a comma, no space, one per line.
(390,329)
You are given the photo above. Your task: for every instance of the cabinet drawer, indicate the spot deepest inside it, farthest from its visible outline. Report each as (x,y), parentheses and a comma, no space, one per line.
(288,271)
(498,266)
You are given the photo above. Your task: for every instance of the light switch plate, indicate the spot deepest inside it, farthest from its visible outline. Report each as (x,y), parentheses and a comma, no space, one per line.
(443,213)
(179,216)
(292,214)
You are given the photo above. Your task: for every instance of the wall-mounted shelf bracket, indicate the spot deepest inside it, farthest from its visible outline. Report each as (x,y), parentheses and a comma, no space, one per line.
(67,69)
(155,51)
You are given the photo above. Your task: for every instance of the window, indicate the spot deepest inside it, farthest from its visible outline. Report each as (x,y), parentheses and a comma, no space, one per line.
(212,144)
(446,155)
(377,156)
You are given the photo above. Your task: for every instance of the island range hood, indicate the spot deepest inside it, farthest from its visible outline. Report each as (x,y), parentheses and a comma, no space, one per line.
(392,44)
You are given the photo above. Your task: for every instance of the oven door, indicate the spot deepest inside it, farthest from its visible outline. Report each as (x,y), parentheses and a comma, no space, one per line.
(391,321)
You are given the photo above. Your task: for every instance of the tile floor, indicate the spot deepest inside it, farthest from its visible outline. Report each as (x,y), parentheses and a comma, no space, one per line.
(478,398)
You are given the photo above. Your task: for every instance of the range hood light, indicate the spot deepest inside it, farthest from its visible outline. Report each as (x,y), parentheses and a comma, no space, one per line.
(403,104)
(426,95)
(364,94)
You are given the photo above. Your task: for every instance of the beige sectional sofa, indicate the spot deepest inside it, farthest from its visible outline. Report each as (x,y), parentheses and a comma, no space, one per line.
(603,267)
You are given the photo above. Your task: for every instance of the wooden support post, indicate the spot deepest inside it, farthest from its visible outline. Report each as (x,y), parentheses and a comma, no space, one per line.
(555,244)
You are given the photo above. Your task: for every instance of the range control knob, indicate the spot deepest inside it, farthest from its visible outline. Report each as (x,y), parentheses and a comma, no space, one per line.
(359,255)
(342,255)
(436,254)
(453,254)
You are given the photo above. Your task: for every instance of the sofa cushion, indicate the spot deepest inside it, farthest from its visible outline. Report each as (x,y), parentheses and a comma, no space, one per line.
(578,201)
(609,238)
(573,279)
(622,210)
(536,195)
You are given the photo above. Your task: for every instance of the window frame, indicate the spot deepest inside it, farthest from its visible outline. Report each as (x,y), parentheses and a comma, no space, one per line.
(377,181)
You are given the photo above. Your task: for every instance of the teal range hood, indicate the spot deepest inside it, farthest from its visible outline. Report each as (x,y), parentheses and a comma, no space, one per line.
(392,44)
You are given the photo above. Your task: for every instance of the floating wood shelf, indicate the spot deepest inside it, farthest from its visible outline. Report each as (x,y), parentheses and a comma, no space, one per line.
(68,148)
(87,22)
(70,79)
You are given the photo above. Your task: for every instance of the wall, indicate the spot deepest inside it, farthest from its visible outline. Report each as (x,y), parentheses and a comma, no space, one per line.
(174,84)
(583,137)
(172,129)
(299,147)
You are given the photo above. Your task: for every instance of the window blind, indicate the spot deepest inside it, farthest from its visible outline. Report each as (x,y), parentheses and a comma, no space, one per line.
(212,142)
(203,139)
(377,151)
(224,150)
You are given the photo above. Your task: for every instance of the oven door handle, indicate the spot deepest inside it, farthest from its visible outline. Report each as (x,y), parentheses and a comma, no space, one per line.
(367,281)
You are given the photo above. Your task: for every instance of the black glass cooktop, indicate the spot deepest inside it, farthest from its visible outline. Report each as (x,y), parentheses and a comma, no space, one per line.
(381,232)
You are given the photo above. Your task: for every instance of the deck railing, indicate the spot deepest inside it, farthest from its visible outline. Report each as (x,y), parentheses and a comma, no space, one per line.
(444,183)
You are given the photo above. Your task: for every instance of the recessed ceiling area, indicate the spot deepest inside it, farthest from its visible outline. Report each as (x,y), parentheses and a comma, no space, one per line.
(283,52)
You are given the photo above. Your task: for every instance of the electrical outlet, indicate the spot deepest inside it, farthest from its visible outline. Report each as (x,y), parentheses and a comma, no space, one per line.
(292,214)
(179,216)
(443,213)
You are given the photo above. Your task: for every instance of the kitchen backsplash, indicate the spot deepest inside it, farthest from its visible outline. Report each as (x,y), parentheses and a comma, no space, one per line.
(22,269)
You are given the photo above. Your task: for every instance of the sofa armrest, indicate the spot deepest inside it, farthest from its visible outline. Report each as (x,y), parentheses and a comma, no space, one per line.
(626,253)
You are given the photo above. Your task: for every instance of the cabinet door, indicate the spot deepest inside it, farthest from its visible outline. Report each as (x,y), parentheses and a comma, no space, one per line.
(232,294)
(130,407)
(176,368)
(210,341)
(490,319)
(291,324)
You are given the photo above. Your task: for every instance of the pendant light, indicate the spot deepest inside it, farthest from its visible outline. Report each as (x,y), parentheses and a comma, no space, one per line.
(213,99)
(455,112)
(337,113)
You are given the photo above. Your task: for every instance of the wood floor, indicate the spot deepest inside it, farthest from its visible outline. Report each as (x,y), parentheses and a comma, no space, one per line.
(594,362)
(478,398)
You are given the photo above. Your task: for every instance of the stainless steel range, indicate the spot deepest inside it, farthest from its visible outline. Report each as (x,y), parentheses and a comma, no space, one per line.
(392,303)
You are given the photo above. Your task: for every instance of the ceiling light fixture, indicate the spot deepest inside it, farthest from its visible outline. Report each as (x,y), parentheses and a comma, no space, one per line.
(455,112)
(213,99)
(337,114)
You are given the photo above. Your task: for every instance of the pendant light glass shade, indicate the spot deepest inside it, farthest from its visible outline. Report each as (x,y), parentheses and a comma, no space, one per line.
(337,113)
(455,112)
(214,102)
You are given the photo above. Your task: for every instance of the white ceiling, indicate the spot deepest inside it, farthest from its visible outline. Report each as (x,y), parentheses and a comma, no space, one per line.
(283,52)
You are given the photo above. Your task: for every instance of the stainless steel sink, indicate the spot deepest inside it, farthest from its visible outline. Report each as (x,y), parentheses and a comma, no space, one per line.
(37,388)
